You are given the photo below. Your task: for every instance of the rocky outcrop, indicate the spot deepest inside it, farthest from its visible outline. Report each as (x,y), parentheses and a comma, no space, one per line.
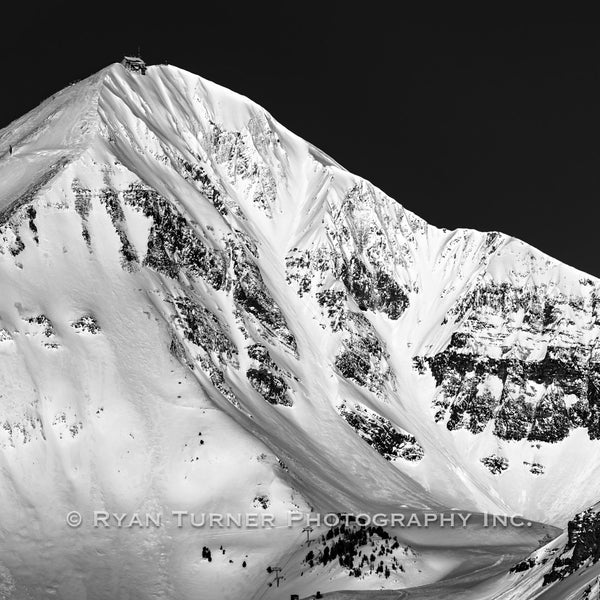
(246,169)
(86,324)
(582,547)
(111,201)
(205,330)
(45,328)
(201,341)
(495,464)
(539,386)
(83,205)
(173,245)
(363,357)
(253,300)
(389,441)
(376,291)
(267,378)
(361,254)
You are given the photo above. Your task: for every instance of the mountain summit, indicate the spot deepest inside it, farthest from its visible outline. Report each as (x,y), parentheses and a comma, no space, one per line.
(201,311)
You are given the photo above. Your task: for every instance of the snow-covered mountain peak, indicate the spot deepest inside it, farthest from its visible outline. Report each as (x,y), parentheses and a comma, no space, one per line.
(200,310)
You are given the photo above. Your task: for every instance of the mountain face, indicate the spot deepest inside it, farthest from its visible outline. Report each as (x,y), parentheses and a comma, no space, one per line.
(200,311)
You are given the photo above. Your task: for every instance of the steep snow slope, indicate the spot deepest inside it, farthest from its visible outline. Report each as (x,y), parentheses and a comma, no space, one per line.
(200,311)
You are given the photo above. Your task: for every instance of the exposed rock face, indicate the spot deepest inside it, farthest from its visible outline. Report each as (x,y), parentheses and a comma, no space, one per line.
(495,464)
(173,245)
(245,167)
(391,442)
(110,199)
(44,326)
(582,547)
(519,359)
(579,551)
(9,233)
(362,357)
(266,377)
(203,329)
(87,323)
(373,291)
(366,244)
(253,300)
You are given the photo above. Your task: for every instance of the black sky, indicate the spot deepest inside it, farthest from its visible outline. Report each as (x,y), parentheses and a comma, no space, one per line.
(489,126)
